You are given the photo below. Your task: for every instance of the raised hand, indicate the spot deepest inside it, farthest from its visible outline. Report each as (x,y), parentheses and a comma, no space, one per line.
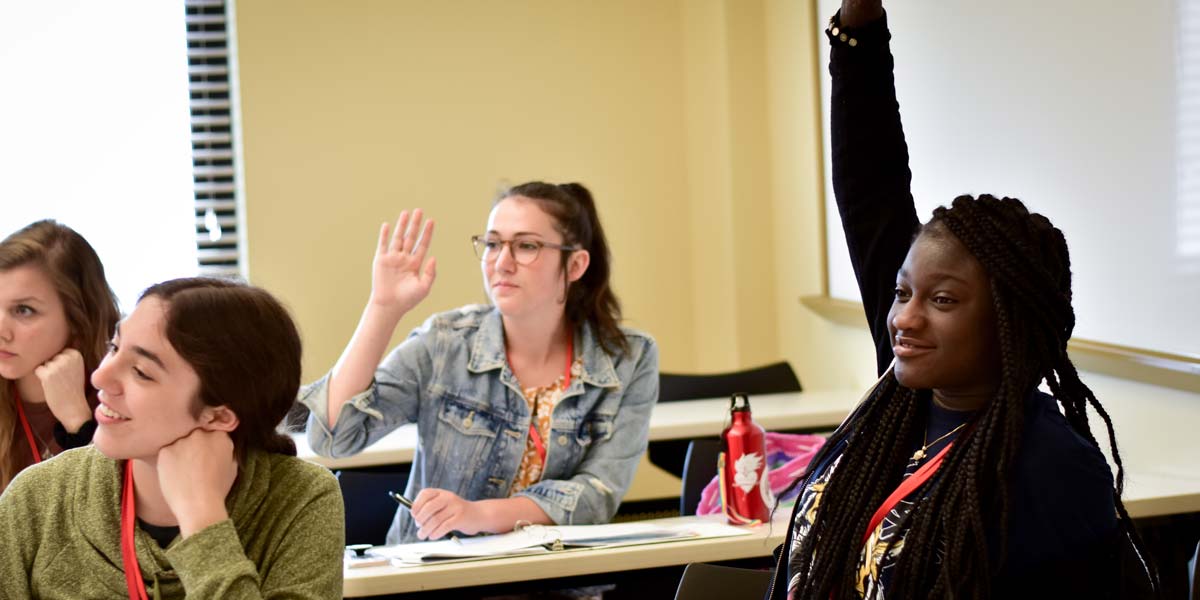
(62,380)
(196,473)
(400,276)
(856,13)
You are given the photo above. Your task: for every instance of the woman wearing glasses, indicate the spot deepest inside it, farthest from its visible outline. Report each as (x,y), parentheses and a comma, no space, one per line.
(534,408)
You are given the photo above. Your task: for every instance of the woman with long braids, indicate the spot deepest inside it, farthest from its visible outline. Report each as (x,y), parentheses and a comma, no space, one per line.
(534,408)
(955,477)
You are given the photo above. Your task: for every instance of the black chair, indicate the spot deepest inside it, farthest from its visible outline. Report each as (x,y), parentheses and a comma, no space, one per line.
(369,509)
(770,379)
(1194,573)
(702,581)
(699,467)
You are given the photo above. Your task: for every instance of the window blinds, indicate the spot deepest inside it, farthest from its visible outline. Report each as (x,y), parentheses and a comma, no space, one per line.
(213,148)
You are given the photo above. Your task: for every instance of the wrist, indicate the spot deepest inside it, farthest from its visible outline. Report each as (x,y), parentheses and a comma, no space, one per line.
(384,315)
(197,519)
(72,415)
(72,423)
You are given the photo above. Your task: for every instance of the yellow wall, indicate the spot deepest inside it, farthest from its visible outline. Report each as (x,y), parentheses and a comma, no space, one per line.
(693,122)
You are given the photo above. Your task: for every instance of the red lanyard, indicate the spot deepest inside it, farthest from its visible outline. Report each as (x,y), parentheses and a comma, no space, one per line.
(37,456)
(133,573)
(905,488)
(533,432)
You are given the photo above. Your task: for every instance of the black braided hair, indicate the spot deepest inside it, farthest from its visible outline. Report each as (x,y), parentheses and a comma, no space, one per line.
(1028,265)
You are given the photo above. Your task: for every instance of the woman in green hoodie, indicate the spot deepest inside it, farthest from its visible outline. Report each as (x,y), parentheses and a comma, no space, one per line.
(188,489)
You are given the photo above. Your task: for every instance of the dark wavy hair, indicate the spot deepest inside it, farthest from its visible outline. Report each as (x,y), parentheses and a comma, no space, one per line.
(1029,271)
(590,299)
(244,347)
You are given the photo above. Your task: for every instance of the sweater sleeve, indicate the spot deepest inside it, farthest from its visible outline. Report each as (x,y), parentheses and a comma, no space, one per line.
(305,560)
(871,178)
(20,519)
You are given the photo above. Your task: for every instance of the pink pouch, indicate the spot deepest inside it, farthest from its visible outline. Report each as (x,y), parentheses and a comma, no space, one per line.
(788,454)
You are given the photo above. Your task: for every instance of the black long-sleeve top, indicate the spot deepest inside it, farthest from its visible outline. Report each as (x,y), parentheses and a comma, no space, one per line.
(1062,527)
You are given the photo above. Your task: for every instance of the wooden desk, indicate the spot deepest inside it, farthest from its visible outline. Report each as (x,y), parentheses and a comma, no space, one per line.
(1159,441)
(669,420)
(1157,433)
(397,580)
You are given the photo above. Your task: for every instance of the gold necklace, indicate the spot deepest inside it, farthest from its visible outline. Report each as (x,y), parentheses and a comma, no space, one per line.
(920,454)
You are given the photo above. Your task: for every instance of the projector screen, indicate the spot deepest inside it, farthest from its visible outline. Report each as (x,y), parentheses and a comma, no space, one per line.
(1089,112)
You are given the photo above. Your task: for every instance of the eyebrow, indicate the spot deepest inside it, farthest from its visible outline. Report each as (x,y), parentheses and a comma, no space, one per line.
(519,233)
(26,300)
(150,355)
(140,351)
(939,276)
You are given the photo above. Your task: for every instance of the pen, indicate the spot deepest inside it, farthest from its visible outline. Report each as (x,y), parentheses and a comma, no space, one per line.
(406,503)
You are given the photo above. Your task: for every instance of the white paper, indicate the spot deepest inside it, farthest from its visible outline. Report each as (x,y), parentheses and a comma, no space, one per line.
(539,539)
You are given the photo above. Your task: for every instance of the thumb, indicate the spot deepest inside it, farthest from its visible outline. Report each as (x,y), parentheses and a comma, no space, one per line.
(431,270)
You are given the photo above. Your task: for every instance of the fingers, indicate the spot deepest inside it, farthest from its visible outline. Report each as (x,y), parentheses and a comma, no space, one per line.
(410,233)
(397,241)
(383,238)
(422,243)
(431,271)
(446,522)
(196,431)
(66,359)
(410,236)
(427,502)
(434,512)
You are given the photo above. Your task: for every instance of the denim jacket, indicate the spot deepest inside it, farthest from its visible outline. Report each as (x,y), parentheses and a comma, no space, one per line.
(452,378)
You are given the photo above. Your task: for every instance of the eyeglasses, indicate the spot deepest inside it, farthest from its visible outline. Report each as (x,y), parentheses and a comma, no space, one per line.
(523,250)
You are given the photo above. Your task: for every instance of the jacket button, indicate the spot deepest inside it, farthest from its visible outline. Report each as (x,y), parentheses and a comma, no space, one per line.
(468,421)
(562,440)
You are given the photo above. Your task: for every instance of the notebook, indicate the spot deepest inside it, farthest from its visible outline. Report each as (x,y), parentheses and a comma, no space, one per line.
(540,539)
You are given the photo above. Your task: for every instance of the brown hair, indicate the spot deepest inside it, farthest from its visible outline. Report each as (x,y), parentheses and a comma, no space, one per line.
(245,349)
(90,305)
(590,299)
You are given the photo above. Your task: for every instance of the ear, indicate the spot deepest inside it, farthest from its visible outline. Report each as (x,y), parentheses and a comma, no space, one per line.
(578,264)
(218,418)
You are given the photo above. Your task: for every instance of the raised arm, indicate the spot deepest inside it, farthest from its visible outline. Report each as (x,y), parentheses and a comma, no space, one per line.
(401,279)
(871,178)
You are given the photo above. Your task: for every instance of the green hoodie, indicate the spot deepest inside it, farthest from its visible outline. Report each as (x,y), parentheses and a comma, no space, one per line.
(60,535)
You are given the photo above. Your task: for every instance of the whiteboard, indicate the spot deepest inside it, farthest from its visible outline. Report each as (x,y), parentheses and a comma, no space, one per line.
(1092,121)
(95,131)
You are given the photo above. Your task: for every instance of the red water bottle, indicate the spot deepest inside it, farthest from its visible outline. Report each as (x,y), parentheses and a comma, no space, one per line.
(745,489)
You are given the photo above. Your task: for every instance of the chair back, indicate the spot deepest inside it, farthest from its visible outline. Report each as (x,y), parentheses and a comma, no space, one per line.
(774,378)
(1194,573)
(699,467)
(369,510)
(703,581)
(769,379)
